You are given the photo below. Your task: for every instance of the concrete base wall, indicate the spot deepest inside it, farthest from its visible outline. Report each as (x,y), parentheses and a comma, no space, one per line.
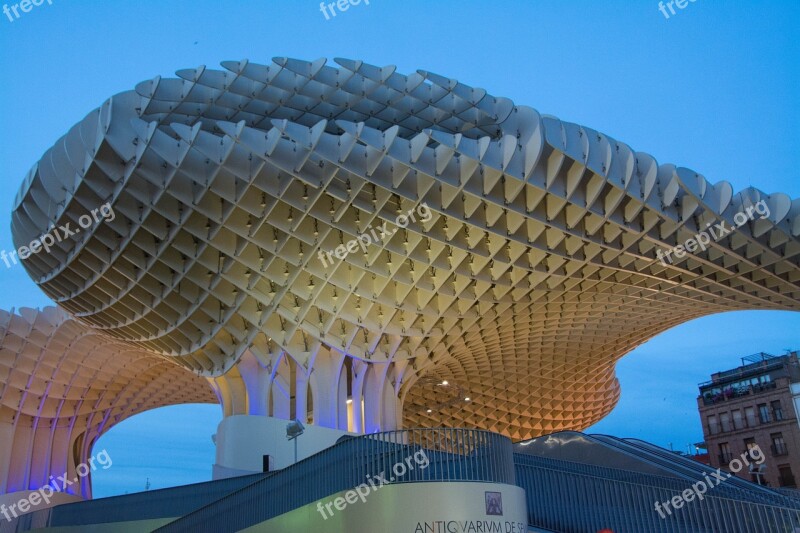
(243,440)
(410,508)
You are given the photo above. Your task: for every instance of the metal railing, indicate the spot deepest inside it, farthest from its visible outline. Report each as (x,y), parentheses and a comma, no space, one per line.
(451,455)
(561,495)
(734,488)
(562,500)
(152,504)
(734,393)
(759,367)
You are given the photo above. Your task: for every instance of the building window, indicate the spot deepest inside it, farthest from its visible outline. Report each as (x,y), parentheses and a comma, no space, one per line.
(749,444)
(724,454)
(778,445)
(725,421)
(756,470)
(713,424)
(777,411)
(750,416)
(737,419)
(763,413)
(786,478)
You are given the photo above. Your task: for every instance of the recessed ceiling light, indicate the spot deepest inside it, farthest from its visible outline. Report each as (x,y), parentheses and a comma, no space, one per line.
(445,382)
(466,399)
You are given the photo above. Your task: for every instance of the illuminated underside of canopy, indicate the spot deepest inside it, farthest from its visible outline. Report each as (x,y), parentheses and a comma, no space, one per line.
(536,272)
(63,385)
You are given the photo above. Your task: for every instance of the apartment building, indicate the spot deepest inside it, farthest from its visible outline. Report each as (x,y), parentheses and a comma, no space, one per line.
(753,405)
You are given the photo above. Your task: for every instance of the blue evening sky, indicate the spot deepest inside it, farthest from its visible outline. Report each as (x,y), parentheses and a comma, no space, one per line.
(714,88)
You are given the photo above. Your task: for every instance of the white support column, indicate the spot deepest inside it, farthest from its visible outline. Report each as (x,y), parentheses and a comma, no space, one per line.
(301,395)
(6,446)
(389,420)
(373,397)
(357,406)
(326,375)
(257,381)
(281,391)
(343,407)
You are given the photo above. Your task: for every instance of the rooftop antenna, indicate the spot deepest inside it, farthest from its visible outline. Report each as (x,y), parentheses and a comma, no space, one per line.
(147,485)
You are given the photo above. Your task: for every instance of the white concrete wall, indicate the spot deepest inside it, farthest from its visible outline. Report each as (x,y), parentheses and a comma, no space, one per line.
(243,440)
(405,508)
(410,508)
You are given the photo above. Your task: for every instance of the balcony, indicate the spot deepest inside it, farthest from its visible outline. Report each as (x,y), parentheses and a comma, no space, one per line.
(779,450)
(732,394)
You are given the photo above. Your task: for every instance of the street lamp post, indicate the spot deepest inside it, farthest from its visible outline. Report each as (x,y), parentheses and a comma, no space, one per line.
(293,430)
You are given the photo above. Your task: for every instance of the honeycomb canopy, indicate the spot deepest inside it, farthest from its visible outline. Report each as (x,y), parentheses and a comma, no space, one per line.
(540,251)
(63,385)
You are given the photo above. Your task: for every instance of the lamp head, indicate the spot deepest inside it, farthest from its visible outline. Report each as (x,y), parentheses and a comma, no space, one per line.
(294,429)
